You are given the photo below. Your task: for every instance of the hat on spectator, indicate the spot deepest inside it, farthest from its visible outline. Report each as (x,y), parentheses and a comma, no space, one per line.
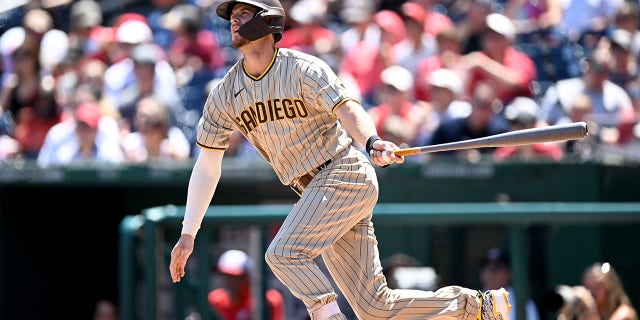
(413,11)
(496,256)
(522,110)
(54,48)
(38,21)
(501,24)
(308,11)
(391,22)
(397,77)
(146,53)
(88,113)
(134,32)
(448,79)
(357,12)
(11,40)
(234,262)
(187,15)
(622,39)
(86,13)
(129,16)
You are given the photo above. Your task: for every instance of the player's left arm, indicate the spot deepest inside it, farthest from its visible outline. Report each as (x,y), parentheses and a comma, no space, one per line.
(361,128)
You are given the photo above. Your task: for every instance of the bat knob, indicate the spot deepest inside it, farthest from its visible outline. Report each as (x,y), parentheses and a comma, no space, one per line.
(585,128)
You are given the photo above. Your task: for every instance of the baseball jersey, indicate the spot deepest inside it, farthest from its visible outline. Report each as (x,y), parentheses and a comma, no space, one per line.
(287,112)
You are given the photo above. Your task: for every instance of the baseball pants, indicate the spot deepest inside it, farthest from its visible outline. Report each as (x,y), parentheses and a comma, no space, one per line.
(333,219)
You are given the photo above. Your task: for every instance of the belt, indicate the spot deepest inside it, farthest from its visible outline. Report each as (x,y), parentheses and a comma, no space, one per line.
(299,184)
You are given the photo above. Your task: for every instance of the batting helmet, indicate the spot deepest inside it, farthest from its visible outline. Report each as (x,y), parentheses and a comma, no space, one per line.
(268,19)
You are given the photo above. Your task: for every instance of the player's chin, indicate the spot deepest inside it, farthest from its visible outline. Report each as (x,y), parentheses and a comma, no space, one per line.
(237,41)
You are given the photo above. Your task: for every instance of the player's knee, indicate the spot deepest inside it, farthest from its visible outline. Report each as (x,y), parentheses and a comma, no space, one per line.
(276,256)
(270,256)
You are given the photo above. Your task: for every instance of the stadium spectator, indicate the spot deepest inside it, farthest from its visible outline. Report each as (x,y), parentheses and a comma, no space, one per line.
(397,116)
(37,22)
(193,49)
(132,30)
(233,300)
(612,106)
(448,56)
(601,296)
(145,58)
(362,64)
(87,36)
(627,19)
(309,32)
(27,97)
(484,120)
(523,113)
(87,138)
(534,16)
(418,45)
(445,104)
(495,272)
(474,25)
(105,310)
(392,33)
(155,13)
(357,17)
(395,261)
(586,21)
(509,71)
(155,139)
(195,56)
(54,53)
(437,21)
(617,48)
(581,109)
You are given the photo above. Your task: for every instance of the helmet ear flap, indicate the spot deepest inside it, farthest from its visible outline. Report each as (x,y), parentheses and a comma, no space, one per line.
(253,29)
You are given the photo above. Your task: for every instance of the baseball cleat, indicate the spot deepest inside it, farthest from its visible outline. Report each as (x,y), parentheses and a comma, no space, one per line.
(495,305)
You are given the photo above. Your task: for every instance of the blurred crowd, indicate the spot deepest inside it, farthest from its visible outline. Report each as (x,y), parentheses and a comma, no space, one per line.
(126,81)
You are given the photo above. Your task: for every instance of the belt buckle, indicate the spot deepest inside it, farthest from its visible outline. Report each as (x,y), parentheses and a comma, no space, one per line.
(295,186)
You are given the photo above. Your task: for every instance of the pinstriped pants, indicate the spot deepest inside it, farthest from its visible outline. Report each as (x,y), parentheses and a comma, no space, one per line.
(333,219)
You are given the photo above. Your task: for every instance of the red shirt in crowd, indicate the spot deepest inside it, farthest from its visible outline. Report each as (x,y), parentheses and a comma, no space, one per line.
(520,65)
(222,302)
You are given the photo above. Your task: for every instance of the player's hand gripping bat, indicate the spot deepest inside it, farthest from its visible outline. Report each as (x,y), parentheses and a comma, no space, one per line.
(570,131)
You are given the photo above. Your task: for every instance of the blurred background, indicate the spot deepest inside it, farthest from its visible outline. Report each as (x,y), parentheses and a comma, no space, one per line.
(99,103)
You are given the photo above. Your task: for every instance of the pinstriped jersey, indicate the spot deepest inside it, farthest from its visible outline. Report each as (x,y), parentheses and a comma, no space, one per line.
(287,113)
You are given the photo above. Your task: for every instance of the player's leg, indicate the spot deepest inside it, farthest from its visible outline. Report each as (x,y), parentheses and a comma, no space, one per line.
(354,263)
(322,216)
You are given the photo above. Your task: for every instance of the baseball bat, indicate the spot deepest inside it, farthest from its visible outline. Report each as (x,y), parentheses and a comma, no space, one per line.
(570,131)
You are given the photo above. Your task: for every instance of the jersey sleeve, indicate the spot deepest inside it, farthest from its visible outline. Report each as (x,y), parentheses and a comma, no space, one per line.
(325,87)
(215,126)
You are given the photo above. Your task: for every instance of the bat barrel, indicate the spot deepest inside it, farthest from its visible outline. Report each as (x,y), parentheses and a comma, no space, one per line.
(570,131)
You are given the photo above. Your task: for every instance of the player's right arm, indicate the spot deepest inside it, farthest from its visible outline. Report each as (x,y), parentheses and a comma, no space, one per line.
(202,185)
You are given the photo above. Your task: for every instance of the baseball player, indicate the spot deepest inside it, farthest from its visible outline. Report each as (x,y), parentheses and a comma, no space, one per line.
(296,112)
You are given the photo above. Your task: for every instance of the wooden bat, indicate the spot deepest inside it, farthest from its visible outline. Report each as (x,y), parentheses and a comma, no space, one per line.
(570,131)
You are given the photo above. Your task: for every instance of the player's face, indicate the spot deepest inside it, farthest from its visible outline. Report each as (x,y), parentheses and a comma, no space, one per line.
(240,14)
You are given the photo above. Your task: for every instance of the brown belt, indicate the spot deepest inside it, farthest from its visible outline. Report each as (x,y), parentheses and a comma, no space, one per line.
(299,184)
